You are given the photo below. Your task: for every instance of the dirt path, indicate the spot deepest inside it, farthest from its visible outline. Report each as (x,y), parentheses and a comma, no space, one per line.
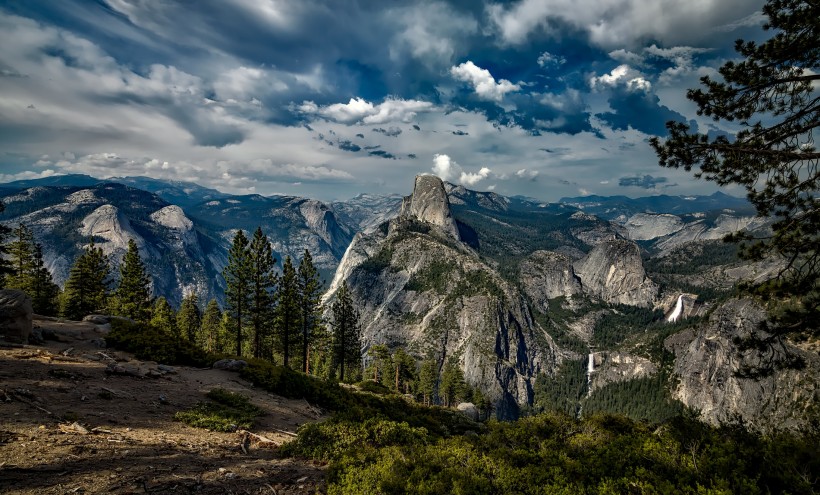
(132,444)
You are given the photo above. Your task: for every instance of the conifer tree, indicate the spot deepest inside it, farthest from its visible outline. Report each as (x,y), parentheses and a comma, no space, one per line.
(238,286)
(210,329)
(380,362)
(133,296)
(346,333)
(287,312)
(452,382)
(189,319)
(428,378)
(44,292)
(21,256)
(86,290)
(310,296)
(163,317)
(263,281)
(405,370)
(5,267)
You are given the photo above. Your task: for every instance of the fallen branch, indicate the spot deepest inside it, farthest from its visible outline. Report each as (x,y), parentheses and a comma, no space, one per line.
(30,403)
(118,393)
(259,438)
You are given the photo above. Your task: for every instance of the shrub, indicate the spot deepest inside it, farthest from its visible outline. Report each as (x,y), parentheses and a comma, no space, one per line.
(226,411)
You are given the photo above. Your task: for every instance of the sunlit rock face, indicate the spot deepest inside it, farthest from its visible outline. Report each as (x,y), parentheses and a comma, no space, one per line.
(613,271)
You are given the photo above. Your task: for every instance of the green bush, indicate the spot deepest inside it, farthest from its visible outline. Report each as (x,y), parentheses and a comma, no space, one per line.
(374,387)
(226,411)
(149,343)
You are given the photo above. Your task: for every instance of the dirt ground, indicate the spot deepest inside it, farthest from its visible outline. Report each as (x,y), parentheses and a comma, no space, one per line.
(67,426)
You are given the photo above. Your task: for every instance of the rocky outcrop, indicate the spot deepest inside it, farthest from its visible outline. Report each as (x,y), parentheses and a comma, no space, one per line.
(645,226)
(732,369)
(613,271)
(429,204)
(113,228)
(321,220)
(614,367)
(546,275)
(15,316)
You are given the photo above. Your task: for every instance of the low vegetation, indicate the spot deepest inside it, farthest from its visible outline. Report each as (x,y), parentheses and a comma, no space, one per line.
(224,411)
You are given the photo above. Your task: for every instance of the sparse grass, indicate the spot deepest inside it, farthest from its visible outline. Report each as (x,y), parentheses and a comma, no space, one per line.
(226,411)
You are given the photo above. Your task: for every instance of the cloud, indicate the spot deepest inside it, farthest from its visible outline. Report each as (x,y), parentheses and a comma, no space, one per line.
(623,75)
(547,59)
(389,132)
(638,110)
(360,110)
(449,170)
(616,23)
(483,82)
(645,182)
(527,174)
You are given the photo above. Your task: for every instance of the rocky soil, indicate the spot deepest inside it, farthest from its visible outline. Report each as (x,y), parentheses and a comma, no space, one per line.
(69,426)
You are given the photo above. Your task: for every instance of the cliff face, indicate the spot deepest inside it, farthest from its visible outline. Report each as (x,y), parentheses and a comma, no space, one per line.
(429,204)
(730,368)
(613,271)
(420,288)
(546,275)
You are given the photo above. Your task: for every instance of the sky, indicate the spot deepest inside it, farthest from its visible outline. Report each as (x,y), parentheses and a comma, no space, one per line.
(328,99)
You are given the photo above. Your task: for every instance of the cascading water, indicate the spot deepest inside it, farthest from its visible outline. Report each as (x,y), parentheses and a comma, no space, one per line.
(677,311)
(590,369)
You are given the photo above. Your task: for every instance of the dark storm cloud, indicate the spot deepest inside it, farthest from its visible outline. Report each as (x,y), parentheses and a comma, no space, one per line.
(639,110)
(645,182)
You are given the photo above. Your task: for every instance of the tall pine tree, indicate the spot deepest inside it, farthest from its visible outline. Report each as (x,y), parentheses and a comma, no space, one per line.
(287,312)
(21,255)
(346,333)
(86,290)
(133,296)
(163,317)
(263,281)
(238,286)
(44,292)
(310,296)
(5,266)
(189,318)
(209,337)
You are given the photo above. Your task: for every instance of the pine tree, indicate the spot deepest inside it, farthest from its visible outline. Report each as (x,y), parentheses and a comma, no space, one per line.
(238,286)
(163,317)
(263,281)
(21,256)
(210,329)
(189,319)
(771,96)
(310,296)
(346,333)
(133,296)
(428,378)
(405,370)
(5,266)
(452,382)
(44,292)
(86,290)
(287,315)
(380,363)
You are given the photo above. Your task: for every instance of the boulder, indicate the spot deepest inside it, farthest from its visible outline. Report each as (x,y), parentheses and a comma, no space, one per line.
(468,409)
(230,365)
(15,316)
(97,319)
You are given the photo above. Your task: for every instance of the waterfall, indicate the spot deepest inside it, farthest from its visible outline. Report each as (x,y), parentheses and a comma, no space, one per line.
(590,369)
(677,312)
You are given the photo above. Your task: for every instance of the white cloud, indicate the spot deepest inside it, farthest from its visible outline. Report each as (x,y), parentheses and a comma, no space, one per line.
(361,110)
(449,170)
(527,174)
(619,23)
(483,82)
(429,32)
(547,59)
(621,75)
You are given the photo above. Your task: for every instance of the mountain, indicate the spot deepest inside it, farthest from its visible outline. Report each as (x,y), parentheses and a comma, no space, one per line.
(180,193)
(293,224)
(178,255)
(366,211)
(613,207)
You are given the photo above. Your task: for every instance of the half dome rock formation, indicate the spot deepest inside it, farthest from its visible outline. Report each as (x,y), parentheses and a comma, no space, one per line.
(613,271)
(429,203)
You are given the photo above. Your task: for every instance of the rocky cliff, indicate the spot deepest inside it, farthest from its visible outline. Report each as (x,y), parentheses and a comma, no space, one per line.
(420,288)
(732,369)
(613,271)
